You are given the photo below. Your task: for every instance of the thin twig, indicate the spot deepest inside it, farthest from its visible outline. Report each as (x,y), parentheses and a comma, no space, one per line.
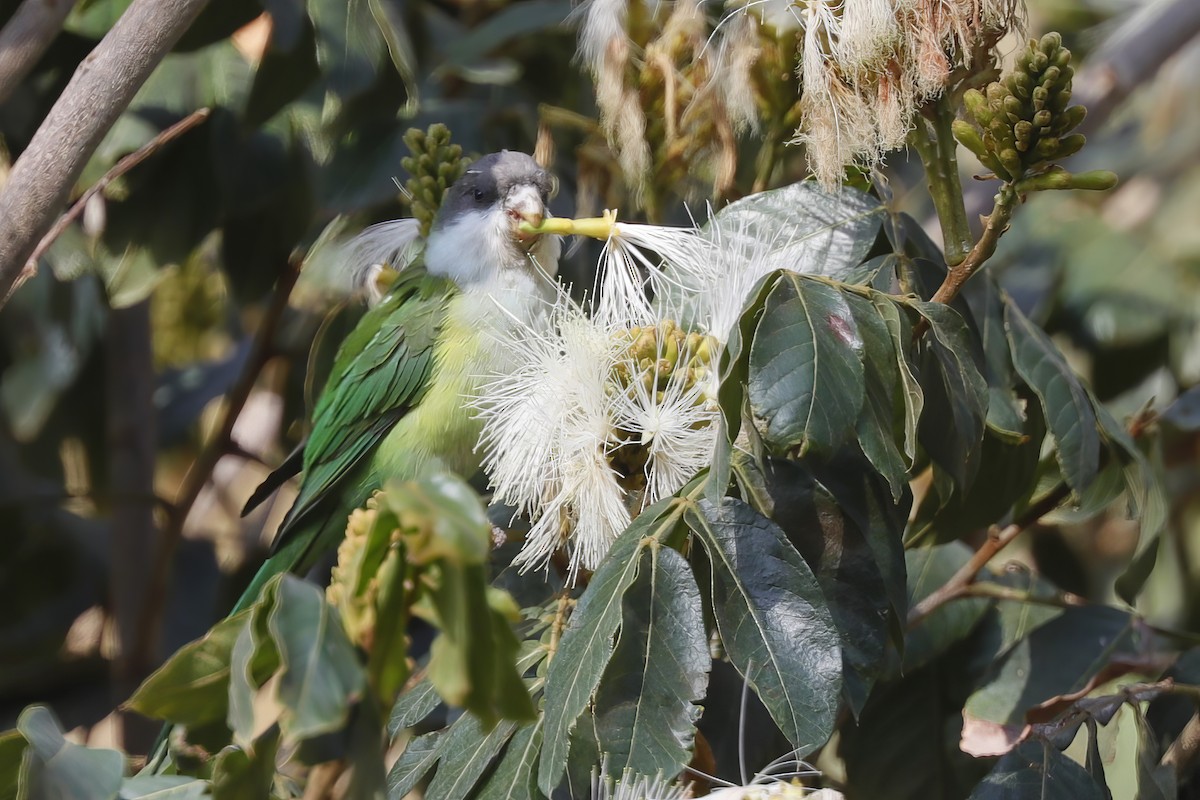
(26,35)
(98,93)
(993,228)
(120,168)
(219,445)
(997,540)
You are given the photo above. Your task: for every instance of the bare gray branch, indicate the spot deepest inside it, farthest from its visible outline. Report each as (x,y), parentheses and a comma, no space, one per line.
(100,90)
(26,36)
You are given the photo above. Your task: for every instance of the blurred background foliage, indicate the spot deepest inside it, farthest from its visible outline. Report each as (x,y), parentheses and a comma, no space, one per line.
(310,101)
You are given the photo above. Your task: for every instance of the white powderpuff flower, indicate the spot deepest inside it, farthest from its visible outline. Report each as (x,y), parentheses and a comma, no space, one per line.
(737,54)
(546,430)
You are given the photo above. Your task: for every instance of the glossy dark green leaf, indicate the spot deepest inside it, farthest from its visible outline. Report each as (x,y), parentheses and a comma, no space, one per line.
(1007,477)
(60,770)
(956,395)
(1068,411)
(773,619)
(811,230)
(1059,657)
(879,435)
(193,686)
(735,357)
(254,659)
(390,19)
(646,701)
(1036,771)
(538,16)
(418,758)
(515,777)
(911,396)
(467,751)
(830,523)
(320,675)
(806,383)
(587,642)
(1019,618)
(928,569)
(246,773)
(987,304)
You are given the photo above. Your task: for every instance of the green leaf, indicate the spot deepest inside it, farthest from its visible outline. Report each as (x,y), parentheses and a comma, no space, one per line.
(192,688)
(163,787)
(400,47)
(419,756)
(587,642)
(773,619)
(12,753)
(253,660)
(1068,410)
(735,357)
(646,702)
(956,395)
(320,676)
(1007,477)
(1059,657)
(349,44)
(246,773)
(987,304)
(535,17)
(806,372)
(928,569)
(812,230)
(59,770)
(466,752)
(829,525)
(515,777)
(1036,771)
(911,395)
(876,426)
(413,706)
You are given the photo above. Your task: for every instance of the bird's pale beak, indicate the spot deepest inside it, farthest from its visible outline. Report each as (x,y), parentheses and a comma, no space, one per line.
(524,204)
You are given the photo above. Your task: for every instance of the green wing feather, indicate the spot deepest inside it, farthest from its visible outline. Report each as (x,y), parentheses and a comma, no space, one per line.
(381,371)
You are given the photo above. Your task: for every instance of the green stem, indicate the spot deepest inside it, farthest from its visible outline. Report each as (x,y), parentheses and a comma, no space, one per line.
(936,148)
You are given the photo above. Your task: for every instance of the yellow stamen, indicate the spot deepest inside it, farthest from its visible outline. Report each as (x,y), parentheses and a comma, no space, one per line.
(593,227)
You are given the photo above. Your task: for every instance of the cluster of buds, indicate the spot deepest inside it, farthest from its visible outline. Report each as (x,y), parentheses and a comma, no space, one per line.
(354,585)
(435,164)
(1025,119)
(658,364)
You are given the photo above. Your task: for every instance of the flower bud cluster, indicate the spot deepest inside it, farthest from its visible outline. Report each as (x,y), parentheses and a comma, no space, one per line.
(660,366)
(354,594)
(1024,122)
(435,164)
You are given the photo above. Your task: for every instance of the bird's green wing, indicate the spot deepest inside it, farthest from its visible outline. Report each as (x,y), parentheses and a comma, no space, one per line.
(380,372)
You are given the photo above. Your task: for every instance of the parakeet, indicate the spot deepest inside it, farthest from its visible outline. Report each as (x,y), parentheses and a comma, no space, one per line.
(396,402)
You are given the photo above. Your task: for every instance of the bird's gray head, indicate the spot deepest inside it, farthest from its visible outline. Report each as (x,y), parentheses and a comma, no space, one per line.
(476,238)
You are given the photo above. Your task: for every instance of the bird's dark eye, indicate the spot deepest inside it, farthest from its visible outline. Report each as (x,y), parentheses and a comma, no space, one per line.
(480,195)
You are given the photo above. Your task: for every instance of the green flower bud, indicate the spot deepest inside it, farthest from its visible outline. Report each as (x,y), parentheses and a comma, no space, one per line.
(1050,42)
(1010,159)
(1043,118)
(1069,119)
(1095,180)
(968,137)
(1047,148)
(1070,145)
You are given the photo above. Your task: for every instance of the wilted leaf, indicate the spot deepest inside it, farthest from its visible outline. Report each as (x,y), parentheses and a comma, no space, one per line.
(773,619)
(646,701)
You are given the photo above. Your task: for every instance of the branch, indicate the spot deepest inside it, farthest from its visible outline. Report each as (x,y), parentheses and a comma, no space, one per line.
(997,540)
(936,148)
(98,93)
(1182,753)
(1133,55)
(994,227)
(120,168)
(219,445)
(28,33)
